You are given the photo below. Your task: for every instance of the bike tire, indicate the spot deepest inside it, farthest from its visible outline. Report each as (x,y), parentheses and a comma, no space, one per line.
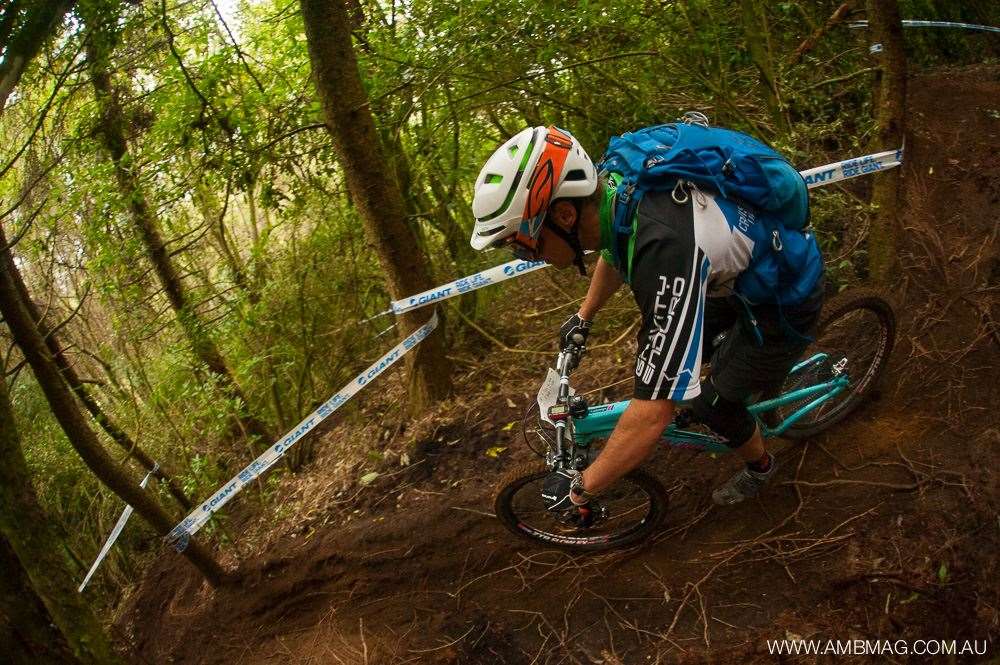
(835,315)
(520,476)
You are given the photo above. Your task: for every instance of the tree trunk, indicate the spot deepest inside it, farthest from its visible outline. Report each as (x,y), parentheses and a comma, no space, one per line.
(73,423)
(110,427)
(27,634)
(890,102)
(26,39)
(112,133)
(375,193)
(758,37)
(39,553)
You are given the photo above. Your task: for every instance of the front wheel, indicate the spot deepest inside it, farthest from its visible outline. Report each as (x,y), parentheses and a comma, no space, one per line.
(857,330)
(634,507)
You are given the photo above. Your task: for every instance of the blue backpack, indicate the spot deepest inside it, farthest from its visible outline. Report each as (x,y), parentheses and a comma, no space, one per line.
(740,169)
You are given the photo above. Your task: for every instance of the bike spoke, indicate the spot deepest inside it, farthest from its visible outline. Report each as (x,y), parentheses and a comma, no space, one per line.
(628,506)
(855,341)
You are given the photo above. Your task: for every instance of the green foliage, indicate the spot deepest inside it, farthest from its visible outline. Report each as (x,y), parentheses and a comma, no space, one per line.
(225,134)
(55,468)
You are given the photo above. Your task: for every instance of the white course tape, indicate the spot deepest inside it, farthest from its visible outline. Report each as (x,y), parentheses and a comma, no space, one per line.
(115,532)
(493,275)
(181,534)
(907,23)
(852,168)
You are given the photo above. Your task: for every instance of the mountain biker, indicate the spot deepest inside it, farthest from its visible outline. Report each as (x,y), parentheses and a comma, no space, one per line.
(540,196)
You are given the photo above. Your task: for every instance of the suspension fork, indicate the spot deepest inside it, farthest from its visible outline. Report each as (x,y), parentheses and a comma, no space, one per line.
(563,368)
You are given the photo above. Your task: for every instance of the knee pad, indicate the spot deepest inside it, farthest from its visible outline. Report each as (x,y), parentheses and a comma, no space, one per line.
(724,417)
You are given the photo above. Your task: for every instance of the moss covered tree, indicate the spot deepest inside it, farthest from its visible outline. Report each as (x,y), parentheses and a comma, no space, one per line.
(890,105)
(373,188)
(37,544)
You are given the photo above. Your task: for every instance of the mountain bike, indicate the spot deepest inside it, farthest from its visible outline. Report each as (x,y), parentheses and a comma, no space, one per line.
(839,370)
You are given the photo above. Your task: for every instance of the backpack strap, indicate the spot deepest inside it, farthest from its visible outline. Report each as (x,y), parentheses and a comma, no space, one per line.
(625,205)
(786,328)
(750,318)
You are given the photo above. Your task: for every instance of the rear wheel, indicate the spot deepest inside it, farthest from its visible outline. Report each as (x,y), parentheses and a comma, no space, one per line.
(635,506)
(857,330)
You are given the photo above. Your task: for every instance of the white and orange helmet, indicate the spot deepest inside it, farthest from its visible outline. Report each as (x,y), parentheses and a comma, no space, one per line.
(521,179)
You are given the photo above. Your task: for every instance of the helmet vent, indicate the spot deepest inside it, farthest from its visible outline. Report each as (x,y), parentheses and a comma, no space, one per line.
(576,174)
(512,150)
(493,178)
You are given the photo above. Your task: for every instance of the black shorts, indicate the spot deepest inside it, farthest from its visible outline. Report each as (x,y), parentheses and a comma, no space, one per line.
(740,366)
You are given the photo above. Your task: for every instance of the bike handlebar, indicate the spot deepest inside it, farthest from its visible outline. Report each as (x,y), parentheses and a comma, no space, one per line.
(572,352)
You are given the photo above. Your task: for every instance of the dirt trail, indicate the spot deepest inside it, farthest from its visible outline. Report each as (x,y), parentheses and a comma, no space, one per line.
(896,537)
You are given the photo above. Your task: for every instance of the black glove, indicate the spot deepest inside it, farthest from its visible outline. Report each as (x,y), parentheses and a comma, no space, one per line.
(574,331)
(556,489)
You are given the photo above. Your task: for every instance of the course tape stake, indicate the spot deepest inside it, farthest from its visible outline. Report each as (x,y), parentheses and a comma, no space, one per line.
(181,534)
(115,532)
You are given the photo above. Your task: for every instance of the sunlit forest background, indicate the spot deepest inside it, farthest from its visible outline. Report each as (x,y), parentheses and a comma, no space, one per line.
(198,124)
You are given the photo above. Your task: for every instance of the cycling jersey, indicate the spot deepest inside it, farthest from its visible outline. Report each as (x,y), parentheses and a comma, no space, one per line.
(678,255)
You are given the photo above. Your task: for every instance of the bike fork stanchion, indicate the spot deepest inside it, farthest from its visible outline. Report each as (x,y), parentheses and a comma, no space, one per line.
(562,366)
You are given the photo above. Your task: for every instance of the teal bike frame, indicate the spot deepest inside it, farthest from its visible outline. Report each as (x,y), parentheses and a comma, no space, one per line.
(601,420)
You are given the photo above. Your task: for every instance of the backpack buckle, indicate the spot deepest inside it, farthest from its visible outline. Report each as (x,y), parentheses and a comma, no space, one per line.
(695,118)
(678,192)
(776,240)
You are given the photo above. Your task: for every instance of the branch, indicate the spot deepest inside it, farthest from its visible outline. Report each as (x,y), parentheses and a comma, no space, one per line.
(205,104)
(15,371)
(236,45)
(491,338)
(289,134)
(528,77)
(27,225)
(185,234)
(809,42)
(41,116)
(840,79)
(71,316)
